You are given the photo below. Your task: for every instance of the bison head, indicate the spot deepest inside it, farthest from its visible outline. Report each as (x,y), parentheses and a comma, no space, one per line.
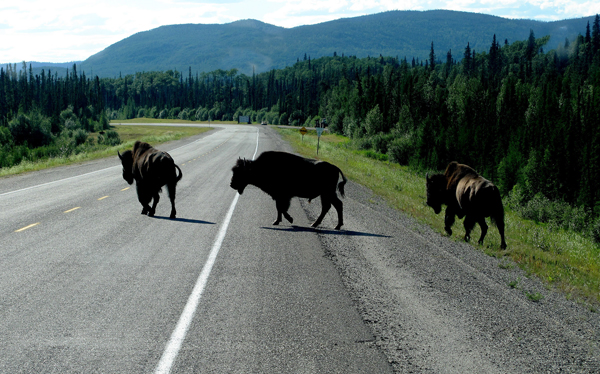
(436,188)
(127,161)
(241,175)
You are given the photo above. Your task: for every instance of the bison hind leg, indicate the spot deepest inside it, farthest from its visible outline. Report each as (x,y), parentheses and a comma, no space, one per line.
(339,207)
(469,223)
(325,206)
(282,204)
(484,228)
(172,191)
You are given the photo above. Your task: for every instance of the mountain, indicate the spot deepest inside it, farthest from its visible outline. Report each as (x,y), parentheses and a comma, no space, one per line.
(253,46)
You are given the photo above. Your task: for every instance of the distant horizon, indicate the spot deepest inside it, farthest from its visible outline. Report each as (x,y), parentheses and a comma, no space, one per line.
(60,31)
(39,63)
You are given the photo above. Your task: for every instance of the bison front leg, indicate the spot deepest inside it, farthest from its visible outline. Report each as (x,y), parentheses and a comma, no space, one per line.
(282,206)
(144,199)
(449,220)
(154,204)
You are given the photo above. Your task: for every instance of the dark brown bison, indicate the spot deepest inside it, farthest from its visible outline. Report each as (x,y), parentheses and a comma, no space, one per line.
(151,169)
(466,194)
(284,175)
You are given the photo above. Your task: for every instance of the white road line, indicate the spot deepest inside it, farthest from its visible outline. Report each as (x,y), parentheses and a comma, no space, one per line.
(178,335)
(27,227)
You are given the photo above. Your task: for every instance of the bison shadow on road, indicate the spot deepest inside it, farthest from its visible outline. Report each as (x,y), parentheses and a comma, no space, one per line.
(294,228)
(186,220)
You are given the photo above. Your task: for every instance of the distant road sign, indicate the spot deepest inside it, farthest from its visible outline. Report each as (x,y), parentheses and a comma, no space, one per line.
(320,131)
(303,131)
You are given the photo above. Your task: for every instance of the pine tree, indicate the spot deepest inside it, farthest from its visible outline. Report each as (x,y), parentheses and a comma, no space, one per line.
(432,58)
(467,60)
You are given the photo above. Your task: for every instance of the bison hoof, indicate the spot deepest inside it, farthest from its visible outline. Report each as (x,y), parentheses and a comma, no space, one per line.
(338,227)
(172,216)
(144,211)
(315,224)
(449,231)
(503,246)
(290,219)
(276,222)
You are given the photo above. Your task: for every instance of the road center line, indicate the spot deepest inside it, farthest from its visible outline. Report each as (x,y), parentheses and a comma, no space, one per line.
(70,210)
(27,227)
(178,335)
(103,197)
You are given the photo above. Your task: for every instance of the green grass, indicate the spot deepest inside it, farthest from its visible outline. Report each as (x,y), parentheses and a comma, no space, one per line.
(154,135)
(564,260)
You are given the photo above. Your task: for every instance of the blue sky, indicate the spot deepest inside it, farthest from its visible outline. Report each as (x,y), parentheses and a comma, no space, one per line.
(66,30)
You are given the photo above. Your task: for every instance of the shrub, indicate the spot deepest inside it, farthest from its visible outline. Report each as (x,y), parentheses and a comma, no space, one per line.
(402,148)
(80,136)
(109,138)
(595,231)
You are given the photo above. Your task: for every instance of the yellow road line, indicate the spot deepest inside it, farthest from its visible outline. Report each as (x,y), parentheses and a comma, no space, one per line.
(103,197)
(125,189)
(70,210)
(27,227)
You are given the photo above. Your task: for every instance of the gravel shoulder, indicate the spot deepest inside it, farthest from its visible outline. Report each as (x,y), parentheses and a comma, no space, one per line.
(439,305)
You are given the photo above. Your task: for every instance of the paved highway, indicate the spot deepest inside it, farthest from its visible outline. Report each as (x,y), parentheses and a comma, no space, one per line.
(89,285)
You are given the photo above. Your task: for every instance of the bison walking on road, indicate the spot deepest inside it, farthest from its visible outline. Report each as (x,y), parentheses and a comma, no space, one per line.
(151,169)
(466,194)
(283,175)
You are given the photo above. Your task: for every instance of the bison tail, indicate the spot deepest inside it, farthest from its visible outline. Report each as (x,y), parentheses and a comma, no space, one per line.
(180,174)
(341,184)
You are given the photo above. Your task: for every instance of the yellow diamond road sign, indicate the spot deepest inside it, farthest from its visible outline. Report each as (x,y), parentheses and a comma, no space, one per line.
(303,130)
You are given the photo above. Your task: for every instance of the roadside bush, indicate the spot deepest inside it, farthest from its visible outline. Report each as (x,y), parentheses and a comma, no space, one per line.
(33,129)
(402,148)
(5,136)
(80,136)
(109,138)
(183,115)
(595,231)
(381,142)
(558,214)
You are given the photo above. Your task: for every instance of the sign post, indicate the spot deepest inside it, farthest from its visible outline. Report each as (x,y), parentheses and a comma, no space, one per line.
(319,132)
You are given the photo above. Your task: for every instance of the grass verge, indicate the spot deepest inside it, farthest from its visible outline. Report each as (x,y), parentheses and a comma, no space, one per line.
(128,133)
(564,260)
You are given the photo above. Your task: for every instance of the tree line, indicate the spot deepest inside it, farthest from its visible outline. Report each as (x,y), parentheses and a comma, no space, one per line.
(526,118)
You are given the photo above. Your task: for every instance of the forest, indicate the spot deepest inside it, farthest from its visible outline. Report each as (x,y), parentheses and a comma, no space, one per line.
(525,118)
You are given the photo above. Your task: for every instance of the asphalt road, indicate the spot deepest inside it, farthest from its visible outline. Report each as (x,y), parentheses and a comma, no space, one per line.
(102,288)
(95,287)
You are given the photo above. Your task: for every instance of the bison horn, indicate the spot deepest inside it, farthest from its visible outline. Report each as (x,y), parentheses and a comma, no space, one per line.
(121,157)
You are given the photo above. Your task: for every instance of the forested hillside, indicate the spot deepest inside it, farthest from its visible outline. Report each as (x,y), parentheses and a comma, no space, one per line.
(526,117)
(253,46)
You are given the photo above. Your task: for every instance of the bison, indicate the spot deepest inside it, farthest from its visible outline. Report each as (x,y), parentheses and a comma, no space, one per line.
(151,169)
(284,175)
(466,194)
